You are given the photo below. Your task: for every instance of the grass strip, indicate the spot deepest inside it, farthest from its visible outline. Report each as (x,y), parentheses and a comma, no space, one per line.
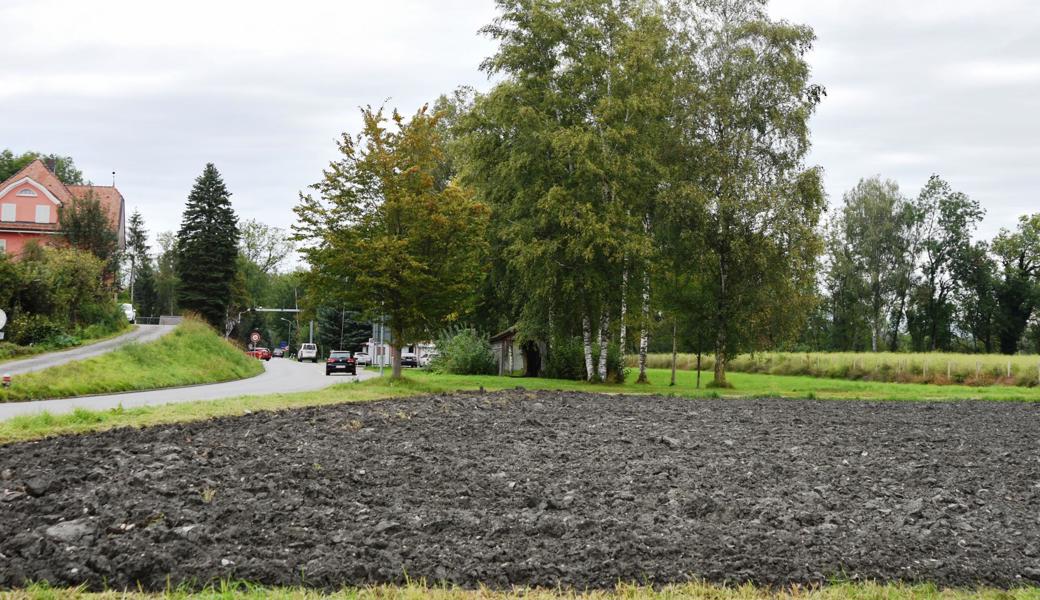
(36,426)
(191,354)
(417,591)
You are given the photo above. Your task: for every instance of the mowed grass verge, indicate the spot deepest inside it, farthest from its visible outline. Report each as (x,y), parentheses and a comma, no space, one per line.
(28,427)
(191,354)
(419,591)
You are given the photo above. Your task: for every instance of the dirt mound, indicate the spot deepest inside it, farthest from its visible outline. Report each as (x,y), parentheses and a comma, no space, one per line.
(540,489)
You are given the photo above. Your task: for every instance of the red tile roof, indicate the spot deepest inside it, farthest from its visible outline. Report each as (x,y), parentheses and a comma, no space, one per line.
(38,172)
(109,197)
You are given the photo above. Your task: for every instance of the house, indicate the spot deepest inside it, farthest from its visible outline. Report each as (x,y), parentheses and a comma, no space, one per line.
(29,203)
(516,357)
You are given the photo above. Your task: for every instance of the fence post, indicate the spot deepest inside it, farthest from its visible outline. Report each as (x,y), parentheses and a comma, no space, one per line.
(924,369)
(977,367)
(949,370)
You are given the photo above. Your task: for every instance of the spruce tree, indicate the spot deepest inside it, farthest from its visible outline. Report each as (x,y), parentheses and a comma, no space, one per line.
(207,246)
(136,248)
(146,294)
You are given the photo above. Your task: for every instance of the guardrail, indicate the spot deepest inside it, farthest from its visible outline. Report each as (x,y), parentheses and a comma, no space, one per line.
(164,320)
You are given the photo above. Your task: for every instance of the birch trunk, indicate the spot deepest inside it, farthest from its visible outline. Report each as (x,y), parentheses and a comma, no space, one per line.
(675,349)
(622,339)
(604,328)
(644,331)
(586,335)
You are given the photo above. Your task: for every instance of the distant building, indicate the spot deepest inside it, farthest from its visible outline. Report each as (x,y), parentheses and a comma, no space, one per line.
(515,357)
(378,347)
(29,203)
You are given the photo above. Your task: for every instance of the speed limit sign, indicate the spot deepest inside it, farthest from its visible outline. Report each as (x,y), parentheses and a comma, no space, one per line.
(254,337)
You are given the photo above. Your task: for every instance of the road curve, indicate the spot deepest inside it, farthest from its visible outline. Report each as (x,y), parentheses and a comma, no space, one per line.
(280,376)
(141,334)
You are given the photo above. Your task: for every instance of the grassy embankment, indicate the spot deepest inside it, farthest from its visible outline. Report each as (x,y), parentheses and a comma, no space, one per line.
(419,382)
(692,591)
(192,353)
(932,367)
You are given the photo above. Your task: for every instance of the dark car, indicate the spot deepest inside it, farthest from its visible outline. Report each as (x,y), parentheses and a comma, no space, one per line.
(278,353)
(340,362)
(408,359)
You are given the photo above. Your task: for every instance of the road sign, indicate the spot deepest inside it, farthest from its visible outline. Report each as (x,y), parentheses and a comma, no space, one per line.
(3,319)
(283,345)
(254,337)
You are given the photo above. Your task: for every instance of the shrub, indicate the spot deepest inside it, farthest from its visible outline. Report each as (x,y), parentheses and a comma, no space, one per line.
(464,352)
(566,360)
(29,329)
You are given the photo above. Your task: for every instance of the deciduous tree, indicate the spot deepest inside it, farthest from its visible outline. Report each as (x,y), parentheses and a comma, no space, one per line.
(383,236)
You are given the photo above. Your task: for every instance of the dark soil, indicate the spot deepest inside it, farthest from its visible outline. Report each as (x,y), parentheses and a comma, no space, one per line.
(536,489)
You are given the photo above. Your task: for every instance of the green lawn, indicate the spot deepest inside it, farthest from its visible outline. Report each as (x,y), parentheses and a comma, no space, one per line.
(193,353)
(420,382)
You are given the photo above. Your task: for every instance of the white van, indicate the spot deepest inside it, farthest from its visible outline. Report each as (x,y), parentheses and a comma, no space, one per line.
(128,310)
(308,352)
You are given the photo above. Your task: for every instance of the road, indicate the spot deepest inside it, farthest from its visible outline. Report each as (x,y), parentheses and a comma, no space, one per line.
(143,333)
(280,376)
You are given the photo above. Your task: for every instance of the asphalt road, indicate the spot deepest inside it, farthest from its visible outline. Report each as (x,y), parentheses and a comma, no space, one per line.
(143,333)
(281,376)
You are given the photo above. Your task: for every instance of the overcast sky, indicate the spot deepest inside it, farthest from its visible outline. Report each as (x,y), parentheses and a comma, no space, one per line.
(262,89)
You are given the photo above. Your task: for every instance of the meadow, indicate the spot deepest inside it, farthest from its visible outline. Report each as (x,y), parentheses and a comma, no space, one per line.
(927,368)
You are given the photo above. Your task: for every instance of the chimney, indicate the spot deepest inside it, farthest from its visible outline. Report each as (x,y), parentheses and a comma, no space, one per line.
(51,164)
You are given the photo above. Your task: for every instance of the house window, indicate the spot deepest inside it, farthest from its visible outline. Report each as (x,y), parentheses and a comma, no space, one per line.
(43,214)
(3,246)
(7,212)
(28,193)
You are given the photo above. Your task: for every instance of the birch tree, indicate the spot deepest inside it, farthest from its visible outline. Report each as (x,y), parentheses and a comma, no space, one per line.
(747,98)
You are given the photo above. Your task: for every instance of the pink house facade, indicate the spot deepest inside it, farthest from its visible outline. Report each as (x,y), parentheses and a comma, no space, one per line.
(29,203)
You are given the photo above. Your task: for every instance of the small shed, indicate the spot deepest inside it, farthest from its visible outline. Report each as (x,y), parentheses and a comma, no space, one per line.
(516,357)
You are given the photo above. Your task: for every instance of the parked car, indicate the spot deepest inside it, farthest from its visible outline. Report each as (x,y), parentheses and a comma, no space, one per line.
(308,352)
(278,353)
(362,358)
(340,362)
(260,353)
(128,310)
(408,359)
(427,357)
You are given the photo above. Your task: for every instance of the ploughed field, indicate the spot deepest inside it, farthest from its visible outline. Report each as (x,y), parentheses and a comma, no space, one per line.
(536,489)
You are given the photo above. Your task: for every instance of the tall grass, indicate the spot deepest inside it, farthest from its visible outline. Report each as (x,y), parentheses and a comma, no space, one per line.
(192,353)
(931,368)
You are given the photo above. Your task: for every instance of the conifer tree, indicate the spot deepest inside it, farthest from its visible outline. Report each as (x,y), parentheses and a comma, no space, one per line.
(207,249)
(146,294)
(136,248)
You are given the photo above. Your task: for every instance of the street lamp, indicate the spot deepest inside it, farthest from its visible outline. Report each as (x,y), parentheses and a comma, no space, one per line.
(290,331)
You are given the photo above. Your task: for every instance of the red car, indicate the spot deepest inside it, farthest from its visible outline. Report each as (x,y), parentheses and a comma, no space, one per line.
(260,353)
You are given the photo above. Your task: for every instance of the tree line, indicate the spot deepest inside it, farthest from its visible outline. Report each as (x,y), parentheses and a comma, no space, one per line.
(636,162)
(906,274)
